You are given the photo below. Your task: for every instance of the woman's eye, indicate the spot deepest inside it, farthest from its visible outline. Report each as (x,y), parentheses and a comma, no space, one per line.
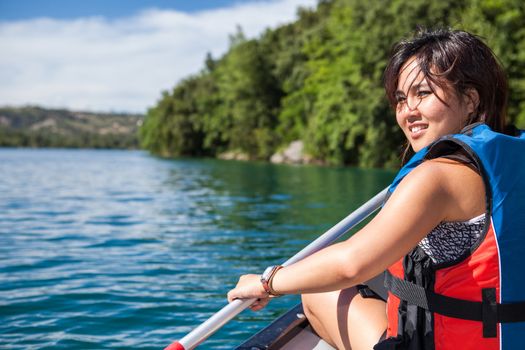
(400,99)
(423,93)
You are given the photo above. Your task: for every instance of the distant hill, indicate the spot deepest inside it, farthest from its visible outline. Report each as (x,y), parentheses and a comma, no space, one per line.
(39,127)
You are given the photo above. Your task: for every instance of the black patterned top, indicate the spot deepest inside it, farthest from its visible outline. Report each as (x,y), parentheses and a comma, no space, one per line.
(448,241)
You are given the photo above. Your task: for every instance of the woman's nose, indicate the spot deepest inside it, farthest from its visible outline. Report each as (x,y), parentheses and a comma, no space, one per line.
(412,102)
(407,113)
(408,106)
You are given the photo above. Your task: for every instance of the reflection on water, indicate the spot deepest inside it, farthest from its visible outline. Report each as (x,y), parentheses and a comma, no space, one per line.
(112,249)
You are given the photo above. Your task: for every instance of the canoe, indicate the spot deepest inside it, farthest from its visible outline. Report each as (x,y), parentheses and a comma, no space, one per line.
(289,331)
(292,331)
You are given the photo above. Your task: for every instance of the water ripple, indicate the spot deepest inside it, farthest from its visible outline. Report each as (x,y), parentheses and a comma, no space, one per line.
(117,249)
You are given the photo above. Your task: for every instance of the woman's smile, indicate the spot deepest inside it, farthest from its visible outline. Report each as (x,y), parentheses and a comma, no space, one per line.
(417,130)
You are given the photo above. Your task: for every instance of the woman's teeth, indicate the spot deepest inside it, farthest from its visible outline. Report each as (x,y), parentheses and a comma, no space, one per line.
(417,128)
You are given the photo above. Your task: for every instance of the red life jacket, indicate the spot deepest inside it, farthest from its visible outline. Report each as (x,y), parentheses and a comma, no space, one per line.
(465,281)
(478,300)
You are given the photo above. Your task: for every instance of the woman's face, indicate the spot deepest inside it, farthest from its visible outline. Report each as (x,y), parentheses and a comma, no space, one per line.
(421,113)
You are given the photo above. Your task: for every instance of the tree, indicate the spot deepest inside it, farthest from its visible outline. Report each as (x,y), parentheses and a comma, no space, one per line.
(319,79)
(249,97)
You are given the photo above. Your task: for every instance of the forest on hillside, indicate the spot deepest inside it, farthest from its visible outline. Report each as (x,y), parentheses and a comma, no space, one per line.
(319,80)
(33,126)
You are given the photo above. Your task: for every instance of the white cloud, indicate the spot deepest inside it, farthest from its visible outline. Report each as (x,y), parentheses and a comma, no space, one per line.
(121,65)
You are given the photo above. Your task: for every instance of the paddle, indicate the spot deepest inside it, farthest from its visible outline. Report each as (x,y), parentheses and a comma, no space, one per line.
(211,325)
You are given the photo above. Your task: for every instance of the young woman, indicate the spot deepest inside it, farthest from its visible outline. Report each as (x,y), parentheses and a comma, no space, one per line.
(451,234)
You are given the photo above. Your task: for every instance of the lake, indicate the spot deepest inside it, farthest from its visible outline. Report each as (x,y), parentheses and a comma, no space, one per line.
(105,249)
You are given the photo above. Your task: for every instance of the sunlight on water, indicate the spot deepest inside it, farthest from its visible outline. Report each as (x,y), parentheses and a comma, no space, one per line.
(114,249)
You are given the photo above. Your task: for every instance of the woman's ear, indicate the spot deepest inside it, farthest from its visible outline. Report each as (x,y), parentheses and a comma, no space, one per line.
(472,100)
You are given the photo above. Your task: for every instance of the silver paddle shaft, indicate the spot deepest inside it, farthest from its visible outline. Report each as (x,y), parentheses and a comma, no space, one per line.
(211,325)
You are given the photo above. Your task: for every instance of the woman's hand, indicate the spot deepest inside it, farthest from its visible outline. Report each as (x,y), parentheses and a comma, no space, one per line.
(249,287)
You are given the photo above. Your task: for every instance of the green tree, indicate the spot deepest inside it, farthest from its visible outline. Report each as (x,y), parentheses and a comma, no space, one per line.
(319,79)
(249,96)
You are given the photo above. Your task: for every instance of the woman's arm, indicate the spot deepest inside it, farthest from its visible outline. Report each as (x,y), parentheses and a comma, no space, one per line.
(438,190)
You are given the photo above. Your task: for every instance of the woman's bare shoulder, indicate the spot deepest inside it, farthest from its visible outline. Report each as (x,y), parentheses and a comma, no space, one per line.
(460,186)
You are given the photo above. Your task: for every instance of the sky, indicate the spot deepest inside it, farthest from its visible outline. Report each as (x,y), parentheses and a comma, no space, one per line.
(118,55)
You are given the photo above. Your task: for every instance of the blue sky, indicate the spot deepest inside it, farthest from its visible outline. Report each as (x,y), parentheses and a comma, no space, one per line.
(67,9)
(118,55)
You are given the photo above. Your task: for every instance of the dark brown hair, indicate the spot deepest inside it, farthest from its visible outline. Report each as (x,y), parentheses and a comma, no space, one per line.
(457,59)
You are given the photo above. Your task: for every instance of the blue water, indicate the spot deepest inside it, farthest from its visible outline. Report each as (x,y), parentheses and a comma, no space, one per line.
(117,249)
